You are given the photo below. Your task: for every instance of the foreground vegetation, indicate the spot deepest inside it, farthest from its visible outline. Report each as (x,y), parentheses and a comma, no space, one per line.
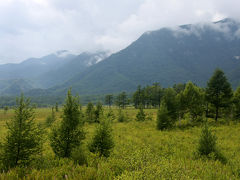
(141,151)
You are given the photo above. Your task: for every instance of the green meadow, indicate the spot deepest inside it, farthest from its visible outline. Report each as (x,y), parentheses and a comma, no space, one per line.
(140,152)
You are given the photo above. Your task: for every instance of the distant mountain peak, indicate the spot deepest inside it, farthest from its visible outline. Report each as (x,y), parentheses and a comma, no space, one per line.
(62,53)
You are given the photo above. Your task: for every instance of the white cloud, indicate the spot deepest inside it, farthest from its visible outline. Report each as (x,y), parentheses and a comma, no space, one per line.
(38,27)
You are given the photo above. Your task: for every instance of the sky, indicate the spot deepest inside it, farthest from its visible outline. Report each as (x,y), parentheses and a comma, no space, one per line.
(34,28)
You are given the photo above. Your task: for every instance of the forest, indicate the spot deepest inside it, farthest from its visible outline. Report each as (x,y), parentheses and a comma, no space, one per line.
(180,132)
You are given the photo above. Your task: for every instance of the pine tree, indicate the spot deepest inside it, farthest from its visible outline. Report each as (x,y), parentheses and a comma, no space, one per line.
(69,134)
(98,112)
(207,141)
(170,99)
(23,139)
(219,91)
(56,107)
(141,116)
(163,119)
(90,113)
(109,100)
(194,100)
(236,102)
(102,142)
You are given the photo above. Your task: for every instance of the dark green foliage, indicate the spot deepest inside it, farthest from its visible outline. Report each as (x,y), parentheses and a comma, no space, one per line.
(56,107)
(141,116)
(194,101)
(109,100)
(5,109)
(90,113)
(236,102)
(23,139)
(98,112)
(121,100)
(179,87)
(170,99)
(69,134)
(164,121)
(207,141)
(122,117)
(102,142)
(219,91)
(149,96)
(207,145)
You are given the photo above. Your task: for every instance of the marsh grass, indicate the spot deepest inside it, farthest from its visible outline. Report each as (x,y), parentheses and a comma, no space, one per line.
(140,152)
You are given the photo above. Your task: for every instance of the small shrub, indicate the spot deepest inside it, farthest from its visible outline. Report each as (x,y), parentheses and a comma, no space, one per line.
(163,118)
(121,116)
(102,141)
(141,116)
(207,145)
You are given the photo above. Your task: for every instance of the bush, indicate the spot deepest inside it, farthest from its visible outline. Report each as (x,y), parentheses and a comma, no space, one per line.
(207,145)
(102,141)
(122,117)
(141,116)
(163,119)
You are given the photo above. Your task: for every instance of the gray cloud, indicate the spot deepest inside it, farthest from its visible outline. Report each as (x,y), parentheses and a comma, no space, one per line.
(38,27)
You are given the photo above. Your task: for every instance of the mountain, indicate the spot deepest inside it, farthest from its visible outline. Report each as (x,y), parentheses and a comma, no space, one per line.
(70,69)
(37,74)
(33,67)
(15,86)
(168,56)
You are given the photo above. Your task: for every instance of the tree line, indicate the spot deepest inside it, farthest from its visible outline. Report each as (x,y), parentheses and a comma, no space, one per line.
(216,100)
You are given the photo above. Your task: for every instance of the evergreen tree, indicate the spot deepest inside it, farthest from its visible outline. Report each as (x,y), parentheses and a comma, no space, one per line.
(69,134)
(163,119)
(156,95)
(207,141)
(90,113)
(5,109)
(56,107)
(121,100)
(23,139)
(102,141)
(121,116)
(194,100)
(170,99)
(141,116)
(98,112)
(109,100)
(219,91)
(137,97)
(236,102)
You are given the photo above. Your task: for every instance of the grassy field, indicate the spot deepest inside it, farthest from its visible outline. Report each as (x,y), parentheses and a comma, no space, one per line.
(140,152)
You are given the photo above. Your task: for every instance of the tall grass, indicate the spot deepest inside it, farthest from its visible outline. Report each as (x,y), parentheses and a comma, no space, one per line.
(140,152)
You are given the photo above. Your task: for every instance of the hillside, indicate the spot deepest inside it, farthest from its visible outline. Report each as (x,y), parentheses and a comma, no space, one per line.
(70,69)
(41,73)
(167,56)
